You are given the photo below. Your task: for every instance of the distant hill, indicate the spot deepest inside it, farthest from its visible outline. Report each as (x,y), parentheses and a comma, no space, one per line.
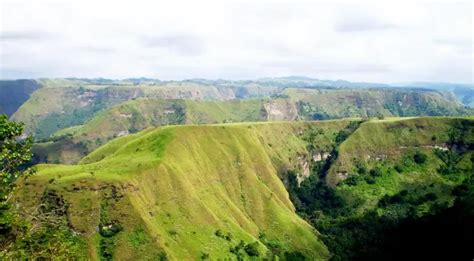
(70,144)
(464,92)
(48,105)
(14,93)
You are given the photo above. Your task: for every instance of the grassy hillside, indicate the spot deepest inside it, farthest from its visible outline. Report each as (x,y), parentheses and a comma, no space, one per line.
(340,103)
(293,104)
(373,189)
(187,192)
(393,189)
(71,144)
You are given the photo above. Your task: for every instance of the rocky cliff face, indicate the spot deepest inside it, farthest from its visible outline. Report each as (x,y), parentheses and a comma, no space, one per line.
(280,110)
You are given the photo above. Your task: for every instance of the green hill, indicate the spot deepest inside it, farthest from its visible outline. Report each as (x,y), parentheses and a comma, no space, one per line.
(344,102)
(187,191)
(14,93)
(70,144)
(254,189)
(394,189)
(63,103)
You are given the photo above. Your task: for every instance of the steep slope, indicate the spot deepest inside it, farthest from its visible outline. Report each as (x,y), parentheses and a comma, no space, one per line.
(14,93)
(389,140)
(393,189)
(187,192)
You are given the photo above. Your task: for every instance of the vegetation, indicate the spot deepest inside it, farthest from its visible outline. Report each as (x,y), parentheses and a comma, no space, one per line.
(224,177)
(374,189)
(45,233)
(391,208)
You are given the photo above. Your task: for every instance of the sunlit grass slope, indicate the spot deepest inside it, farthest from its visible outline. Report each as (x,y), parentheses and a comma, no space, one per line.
(135,115)
(390,147)
(188,191)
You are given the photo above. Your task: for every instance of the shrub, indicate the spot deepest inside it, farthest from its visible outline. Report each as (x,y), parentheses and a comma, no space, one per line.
(399,168)
(219,233)
(294,256)
(204,256)
(419,157)
(172,232)
(252,249)
(370,180)
(431,196)
(375,172)
(352,180)
(109,230)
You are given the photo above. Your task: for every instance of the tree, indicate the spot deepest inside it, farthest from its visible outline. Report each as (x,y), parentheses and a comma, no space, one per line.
(15,152)
(419,157)
(252,249)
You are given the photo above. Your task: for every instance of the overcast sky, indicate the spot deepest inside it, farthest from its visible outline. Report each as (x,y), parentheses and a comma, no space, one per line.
(412,41)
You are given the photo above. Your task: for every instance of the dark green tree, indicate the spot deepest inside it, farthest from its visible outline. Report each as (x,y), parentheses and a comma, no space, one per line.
(419,157)
(15,153)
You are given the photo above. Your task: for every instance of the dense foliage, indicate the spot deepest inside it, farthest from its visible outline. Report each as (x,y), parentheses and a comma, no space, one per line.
(40,233)
(416,222)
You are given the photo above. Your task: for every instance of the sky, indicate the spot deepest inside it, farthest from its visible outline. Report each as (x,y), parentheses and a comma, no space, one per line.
(383,41)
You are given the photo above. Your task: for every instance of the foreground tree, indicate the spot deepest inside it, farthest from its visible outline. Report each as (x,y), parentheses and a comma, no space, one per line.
(39,233)
(15,153)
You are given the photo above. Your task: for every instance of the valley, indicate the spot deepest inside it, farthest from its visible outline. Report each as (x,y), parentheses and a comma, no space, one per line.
(236,130)
(184,192)
(275,169)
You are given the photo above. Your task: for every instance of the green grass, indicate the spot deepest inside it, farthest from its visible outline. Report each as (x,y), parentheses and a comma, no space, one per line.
(171,188)
(182,183)
(388,144)
(135,115)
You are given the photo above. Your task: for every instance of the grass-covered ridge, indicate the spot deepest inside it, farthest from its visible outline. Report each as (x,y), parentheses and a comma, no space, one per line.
(101,123)
(71,144)
(244,190)
(188,192)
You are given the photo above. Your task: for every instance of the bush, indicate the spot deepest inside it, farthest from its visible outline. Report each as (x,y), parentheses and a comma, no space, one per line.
(252,249)
(375,172)
(109,230)
(431,196)
(294,256)
(219,233)
(204,256)
(370,180)
(352,180)
(419,157)
(399,168)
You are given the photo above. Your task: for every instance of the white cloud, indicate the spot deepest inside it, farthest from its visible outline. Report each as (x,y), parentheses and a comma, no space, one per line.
(388,42)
